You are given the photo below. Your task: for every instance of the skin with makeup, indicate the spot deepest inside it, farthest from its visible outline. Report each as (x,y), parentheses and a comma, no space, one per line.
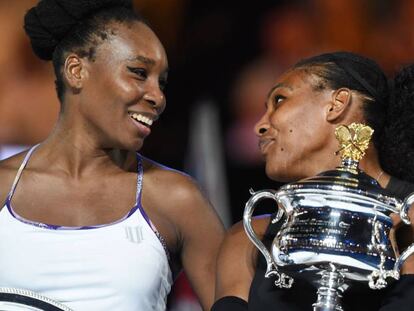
(111,72)
(297,140)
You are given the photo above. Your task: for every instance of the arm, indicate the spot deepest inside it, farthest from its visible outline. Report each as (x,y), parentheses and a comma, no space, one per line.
(236,266)
(200,234)
(401,294)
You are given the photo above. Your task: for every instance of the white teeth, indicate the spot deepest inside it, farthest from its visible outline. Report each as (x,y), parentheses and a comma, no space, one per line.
(141,118)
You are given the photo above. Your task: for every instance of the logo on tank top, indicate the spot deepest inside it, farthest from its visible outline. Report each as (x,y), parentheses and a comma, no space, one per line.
(134,234)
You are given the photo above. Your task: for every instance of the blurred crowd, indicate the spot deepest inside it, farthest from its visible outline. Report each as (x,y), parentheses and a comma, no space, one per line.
(224,53)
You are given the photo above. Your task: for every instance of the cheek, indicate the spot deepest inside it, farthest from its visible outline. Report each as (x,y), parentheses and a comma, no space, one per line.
(303,139)
(288,157)
(126,87)
(113,85)
(293,137)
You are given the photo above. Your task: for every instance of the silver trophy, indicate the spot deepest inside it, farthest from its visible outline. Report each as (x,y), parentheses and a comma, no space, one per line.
(336,227)
(14,299)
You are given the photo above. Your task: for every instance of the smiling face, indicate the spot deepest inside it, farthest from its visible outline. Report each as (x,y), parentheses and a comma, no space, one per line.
(122,87)
(295,137)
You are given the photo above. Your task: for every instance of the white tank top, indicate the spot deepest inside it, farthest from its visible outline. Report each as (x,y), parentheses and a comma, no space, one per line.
(118,266)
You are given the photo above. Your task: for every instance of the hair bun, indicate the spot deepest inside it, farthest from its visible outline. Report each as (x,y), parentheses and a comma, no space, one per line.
(50,21)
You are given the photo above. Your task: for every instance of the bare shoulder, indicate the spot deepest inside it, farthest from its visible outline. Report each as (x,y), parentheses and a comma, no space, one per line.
(237,259)
(163,184)
(177,198)
(191,225)
(8,171)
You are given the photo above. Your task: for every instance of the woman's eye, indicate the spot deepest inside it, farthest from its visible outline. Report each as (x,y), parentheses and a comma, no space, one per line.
(278,99)
(140,72)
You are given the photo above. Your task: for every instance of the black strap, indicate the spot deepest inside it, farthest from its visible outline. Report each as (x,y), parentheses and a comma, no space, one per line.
(371,90)
(230,303)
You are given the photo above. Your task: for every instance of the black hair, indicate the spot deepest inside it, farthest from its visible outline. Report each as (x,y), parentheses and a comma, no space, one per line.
(397,147)
(56,27)
(388,104)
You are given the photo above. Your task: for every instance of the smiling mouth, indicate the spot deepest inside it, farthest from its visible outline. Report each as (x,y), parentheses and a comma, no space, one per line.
(141,118)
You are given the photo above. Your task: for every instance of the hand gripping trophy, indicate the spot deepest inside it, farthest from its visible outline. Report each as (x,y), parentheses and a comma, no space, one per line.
(336,227)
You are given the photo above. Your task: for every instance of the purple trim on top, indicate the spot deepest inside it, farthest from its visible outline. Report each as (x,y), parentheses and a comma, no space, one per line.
(140,171)
(20,171)
(154,229)
(137,206)
(58,227)
(141,208)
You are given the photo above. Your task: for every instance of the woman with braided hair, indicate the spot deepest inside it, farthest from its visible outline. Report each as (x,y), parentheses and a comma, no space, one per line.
(296,138)
(88,221)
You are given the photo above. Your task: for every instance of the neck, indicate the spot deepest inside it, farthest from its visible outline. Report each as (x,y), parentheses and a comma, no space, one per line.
(326,159)
(71,150)
(370,165)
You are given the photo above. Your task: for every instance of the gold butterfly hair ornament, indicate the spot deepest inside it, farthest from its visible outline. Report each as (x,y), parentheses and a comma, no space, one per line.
(353,142)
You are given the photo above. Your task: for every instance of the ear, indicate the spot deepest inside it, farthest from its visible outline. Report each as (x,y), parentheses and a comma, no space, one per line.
(341,99)
(75,72)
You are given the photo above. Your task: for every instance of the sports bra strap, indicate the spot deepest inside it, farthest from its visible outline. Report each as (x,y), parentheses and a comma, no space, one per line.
(139,179)
(20,171)
(29,153)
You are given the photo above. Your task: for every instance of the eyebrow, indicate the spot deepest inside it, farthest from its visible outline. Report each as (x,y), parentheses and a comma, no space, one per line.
(143,59)
(277,86)
(147,61)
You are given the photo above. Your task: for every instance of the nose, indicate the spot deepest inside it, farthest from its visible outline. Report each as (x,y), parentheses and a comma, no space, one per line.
(155,97)
(261,127)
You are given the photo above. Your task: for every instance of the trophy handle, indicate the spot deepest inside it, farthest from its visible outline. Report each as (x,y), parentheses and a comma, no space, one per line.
(405,207)
(282,280)
(406,219)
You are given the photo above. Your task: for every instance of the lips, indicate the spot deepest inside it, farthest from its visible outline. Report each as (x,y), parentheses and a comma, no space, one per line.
(141,118)
(264,144)
(142,121)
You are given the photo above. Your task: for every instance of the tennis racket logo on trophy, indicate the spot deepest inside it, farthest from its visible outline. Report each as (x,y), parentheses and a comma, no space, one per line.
(336,227)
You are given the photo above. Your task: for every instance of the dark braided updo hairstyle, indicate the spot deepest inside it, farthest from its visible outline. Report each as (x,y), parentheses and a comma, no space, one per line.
(56,27)
(388,104)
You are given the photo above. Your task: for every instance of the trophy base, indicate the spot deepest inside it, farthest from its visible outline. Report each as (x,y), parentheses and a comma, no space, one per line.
(330,290)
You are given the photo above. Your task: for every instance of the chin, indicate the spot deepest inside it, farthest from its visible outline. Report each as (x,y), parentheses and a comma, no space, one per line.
(130,145)
(135,146)
(280,175)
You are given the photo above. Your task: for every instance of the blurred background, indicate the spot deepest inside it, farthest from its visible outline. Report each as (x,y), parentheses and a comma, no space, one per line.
(224,56)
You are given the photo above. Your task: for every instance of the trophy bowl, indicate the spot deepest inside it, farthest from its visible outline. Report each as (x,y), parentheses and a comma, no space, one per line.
(336,227)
